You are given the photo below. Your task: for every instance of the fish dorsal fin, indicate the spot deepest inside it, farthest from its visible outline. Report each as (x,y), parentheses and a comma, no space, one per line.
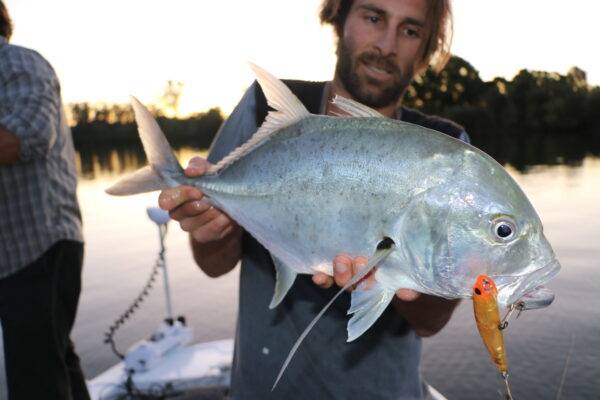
(354,108)
(288,109)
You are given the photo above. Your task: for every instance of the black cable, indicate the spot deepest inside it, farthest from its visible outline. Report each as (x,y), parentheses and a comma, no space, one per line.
(112,329)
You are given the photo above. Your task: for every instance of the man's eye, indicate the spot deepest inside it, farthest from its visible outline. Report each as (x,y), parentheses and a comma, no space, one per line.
(411,32)
(373,19)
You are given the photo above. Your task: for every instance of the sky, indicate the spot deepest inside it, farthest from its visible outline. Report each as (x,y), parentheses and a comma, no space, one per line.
(106,50)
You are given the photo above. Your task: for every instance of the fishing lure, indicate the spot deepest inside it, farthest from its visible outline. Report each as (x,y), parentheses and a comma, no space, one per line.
(487,316)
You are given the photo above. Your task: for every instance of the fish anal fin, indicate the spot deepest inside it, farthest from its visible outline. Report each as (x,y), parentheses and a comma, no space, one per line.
(384,249)
(285,277)
(366,307)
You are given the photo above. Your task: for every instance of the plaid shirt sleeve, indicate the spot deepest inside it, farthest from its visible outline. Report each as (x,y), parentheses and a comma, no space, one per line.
(29,101)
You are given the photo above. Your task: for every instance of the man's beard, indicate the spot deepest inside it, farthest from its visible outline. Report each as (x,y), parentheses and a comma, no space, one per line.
(366,90)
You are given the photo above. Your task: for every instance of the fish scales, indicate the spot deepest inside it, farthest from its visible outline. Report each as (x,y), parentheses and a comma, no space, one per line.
(325,184)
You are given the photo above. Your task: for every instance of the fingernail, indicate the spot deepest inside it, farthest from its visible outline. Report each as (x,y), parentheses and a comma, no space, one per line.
(360,264)
(340,268)
(192,170)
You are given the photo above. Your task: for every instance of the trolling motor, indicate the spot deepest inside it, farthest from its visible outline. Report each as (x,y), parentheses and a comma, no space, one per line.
(172,333)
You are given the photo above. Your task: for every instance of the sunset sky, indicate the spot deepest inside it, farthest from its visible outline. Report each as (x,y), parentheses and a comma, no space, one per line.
(106,50)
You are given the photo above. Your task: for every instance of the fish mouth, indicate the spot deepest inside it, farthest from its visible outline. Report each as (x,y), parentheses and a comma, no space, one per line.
(512,287)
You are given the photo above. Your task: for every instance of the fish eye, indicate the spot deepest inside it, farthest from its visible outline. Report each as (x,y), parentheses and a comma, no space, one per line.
(504,229)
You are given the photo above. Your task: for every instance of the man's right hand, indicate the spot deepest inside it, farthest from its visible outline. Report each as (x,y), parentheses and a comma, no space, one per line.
(187,205)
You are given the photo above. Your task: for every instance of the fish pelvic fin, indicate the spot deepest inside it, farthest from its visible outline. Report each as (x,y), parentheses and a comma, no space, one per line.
(354,108)
(288,110)
(163,163)
(384,249)
(285,279)
(366,307)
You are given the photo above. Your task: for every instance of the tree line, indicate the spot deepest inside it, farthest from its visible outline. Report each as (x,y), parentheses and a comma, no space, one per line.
(502,117)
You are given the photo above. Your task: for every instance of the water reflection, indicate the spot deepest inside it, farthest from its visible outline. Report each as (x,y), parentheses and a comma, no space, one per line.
(101,161)
(522,151)
(121,245)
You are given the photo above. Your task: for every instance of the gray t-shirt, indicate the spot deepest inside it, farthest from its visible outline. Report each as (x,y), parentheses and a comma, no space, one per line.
(381,364)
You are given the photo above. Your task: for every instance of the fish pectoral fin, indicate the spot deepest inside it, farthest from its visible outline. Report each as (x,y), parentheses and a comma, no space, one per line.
(366,307)
(285,277)
(384,249)
(141,181)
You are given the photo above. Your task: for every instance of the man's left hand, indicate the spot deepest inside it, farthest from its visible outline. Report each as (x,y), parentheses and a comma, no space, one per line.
(345,267)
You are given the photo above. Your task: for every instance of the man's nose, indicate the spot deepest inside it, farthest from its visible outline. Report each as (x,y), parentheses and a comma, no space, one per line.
(387,42)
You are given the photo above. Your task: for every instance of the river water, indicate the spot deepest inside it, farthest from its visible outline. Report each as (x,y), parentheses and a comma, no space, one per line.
(550,350)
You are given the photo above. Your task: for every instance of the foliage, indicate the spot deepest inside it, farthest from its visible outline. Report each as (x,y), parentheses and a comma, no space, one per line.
(537,117)
(533,102)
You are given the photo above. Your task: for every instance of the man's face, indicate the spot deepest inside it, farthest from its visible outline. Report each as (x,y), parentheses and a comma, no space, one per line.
(380,48)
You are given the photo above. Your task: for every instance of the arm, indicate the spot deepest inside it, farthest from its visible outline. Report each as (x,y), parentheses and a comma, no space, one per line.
(426,314)
(30,108)
(215,239)
(9,147)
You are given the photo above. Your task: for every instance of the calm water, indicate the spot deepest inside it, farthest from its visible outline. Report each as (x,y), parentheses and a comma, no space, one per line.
(121,246)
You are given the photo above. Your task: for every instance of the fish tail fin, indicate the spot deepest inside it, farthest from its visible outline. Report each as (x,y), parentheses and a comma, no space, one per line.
(288,109)
(164,169)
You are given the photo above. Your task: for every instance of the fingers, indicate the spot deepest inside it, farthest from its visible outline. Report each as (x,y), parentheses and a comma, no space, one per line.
(207,229)
(197,166)
(323,280)
(171,198)
(342,269)
(345,267)
(407,295)
(194,214)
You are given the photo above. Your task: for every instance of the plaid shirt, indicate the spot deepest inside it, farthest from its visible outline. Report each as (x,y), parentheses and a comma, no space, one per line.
(38,202)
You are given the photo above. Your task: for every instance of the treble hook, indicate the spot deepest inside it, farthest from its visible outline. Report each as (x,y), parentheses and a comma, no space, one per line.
(511,309)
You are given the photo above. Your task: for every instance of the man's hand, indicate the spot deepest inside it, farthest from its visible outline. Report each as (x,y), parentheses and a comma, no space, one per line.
(425,313)
(345,267)
(9,147)
(216,239)
(186,205)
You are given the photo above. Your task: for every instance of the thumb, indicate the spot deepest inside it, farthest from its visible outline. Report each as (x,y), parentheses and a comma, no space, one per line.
(196,166)
(407,294)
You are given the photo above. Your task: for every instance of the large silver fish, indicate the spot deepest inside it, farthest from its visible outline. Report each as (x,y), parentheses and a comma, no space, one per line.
(433,212)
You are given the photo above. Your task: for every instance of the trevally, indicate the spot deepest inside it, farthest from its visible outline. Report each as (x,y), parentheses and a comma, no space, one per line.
(433,212)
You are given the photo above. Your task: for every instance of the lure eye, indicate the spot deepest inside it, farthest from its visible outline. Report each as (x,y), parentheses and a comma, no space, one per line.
(477,291)
(504,229)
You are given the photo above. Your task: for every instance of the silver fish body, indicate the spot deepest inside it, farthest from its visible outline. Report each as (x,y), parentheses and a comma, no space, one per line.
(309,187)
(327,185)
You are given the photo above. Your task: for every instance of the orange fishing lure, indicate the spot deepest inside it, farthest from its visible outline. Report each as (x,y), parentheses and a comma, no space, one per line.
(487,316)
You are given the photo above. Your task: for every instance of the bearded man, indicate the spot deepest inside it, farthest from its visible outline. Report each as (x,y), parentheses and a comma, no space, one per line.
(381,46)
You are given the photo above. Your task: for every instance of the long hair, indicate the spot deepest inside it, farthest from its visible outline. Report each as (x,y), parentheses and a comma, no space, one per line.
(435,49)
(6,26)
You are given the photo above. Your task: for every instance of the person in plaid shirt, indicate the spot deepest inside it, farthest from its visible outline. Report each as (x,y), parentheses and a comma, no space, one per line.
(41,244)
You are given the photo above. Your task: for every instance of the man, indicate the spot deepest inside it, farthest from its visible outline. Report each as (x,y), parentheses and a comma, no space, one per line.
(382,44)
(41,246)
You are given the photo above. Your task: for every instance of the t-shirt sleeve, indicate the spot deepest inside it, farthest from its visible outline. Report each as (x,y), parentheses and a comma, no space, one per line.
(237,129)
